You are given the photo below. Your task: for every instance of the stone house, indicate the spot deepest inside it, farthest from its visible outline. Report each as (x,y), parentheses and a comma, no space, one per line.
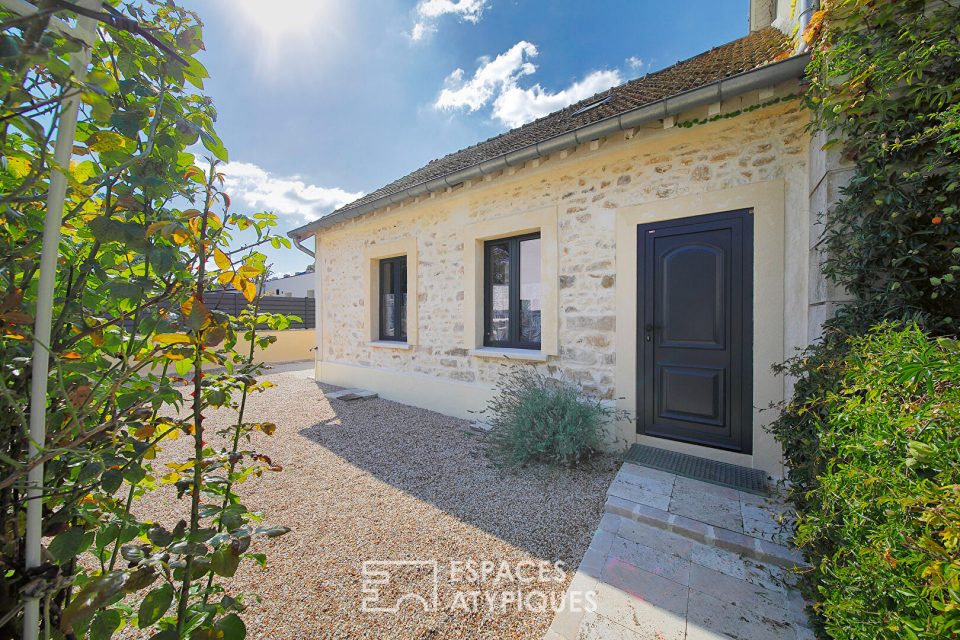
(656,242)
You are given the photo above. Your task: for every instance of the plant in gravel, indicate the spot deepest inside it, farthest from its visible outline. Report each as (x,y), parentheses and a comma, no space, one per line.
(147,231)
(538,418)
(882,525)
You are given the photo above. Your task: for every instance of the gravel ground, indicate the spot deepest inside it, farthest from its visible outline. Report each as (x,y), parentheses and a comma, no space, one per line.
(378,480)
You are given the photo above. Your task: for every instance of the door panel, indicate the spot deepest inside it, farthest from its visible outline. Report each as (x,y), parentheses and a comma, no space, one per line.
(695,331)
(691,276)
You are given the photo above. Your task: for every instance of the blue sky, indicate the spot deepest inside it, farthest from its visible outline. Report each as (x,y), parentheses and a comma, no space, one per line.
(323,100)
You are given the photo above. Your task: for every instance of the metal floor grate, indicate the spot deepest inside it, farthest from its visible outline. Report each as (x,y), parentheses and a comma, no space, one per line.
(682,464)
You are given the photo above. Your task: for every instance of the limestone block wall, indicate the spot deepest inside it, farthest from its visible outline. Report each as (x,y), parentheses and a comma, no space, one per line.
(587,187)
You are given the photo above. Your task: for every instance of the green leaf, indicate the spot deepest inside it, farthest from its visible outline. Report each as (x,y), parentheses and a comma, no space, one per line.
(225,560)
(111,480)
(128,123)
(94,595)
(159,536)
(70,544)
(154,605)
(104,624)
(232,627)
(183,367)
(213,145)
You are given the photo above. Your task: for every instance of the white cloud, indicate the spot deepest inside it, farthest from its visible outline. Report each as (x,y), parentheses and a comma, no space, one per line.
(515,106)
(491,77)
(635,63)
(422,30)
(429,11)
(253,189)
(497,81)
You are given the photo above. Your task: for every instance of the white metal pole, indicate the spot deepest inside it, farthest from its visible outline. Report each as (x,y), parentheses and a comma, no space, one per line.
(63,150)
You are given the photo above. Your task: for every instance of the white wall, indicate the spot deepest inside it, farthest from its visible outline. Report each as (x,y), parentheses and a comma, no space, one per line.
(298,286)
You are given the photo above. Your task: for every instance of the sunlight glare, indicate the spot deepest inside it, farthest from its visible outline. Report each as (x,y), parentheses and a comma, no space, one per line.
(286,22)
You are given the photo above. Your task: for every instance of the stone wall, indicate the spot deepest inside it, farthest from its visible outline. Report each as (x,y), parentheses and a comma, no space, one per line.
(587,186)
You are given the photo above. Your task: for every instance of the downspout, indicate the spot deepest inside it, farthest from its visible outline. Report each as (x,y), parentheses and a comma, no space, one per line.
(56,196)
(298,245)
(807,7)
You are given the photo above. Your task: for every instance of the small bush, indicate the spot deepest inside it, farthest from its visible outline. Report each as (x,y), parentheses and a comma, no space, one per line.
(882,523)
(536,418)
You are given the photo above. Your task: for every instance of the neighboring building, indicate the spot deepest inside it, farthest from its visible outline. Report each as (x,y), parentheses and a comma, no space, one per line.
(297,285)
(666,267)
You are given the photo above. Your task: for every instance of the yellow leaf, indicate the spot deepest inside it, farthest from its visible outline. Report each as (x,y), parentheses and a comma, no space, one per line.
(146,431)
(267,427)
(18,167)
(180,236)
(249,271)
(221,259)
(71,355)
(225,278)
(195,314)
(172,338)
(83,171)
(244,286)
(170,478)
(157,226)
(106,141)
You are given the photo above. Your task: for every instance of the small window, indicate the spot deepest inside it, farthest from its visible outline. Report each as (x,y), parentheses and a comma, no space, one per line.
(512,292)
(393,299)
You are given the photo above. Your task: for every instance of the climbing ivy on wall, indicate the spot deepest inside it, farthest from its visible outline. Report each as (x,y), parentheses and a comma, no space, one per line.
(885,87)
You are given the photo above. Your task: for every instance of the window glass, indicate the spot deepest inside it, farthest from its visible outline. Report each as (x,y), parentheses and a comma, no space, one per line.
(499,329)
(512,296)
(530,291)
(393,298)
(402,298)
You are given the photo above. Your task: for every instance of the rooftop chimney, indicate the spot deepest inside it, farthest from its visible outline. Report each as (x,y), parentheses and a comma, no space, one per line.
(762,14)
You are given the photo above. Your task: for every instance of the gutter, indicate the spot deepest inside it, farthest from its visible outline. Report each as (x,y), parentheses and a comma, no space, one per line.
(297,240)
(762,77)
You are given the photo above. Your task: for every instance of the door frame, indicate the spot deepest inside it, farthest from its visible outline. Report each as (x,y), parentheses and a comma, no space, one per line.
(745,395)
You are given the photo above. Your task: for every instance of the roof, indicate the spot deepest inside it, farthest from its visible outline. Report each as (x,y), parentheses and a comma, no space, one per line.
(745,54)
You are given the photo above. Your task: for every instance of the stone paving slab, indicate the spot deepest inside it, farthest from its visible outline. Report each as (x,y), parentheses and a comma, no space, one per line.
(674,560)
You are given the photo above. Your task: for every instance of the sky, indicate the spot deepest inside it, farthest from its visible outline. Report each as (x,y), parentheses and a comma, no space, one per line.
(321,101)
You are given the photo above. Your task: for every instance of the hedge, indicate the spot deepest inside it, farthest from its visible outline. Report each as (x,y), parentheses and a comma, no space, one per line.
(882,523)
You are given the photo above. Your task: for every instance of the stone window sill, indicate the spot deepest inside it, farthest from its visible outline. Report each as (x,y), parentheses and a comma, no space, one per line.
(520,355)
(389,344)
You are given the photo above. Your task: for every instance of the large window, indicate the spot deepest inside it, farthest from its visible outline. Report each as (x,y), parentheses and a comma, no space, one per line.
(512,300)
(393,299)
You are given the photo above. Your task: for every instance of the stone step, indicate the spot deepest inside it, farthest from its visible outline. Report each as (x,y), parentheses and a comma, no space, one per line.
(748,546)
(349,395)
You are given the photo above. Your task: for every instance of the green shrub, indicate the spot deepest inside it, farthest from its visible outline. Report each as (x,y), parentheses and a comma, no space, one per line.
(882,523)
(537,418)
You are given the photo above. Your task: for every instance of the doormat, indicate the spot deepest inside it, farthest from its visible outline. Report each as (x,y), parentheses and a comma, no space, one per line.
(682,464)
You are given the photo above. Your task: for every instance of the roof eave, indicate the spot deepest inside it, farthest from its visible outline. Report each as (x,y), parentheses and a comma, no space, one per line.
(735,85)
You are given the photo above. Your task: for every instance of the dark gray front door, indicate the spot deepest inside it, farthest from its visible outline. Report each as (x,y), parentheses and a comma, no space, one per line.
(694,336)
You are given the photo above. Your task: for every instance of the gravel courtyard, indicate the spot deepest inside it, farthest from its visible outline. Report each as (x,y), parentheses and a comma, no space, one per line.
(378,480)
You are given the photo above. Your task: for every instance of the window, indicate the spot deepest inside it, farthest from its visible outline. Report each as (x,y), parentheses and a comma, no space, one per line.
(393,298)
(512,300)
